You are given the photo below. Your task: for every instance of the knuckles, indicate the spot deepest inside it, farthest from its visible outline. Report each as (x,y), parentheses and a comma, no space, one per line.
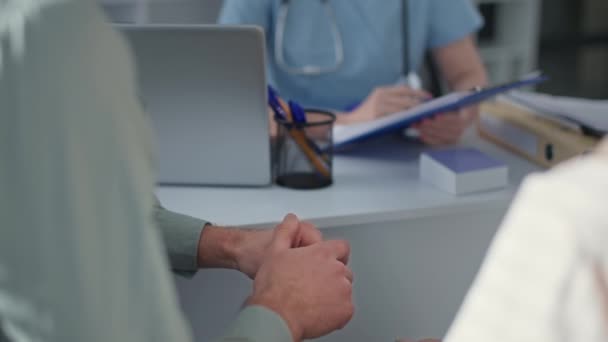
(347,315)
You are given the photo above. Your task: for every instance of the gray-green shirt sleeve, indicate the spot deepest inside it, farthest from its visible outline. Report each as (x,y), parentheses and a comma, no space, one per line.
(74,150)
(76,171)
(258,324)
(181,234)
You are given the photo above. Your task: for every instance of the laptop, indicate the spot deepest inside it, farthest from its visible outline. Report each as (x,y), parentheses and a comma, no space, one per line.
(204,88)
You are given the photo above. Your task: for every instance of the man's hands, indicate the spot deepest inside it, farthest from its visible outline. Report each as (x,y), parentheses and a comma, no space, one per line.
(446,128)
(309,287)
(245,249)
(384,101)
(253,245)
(297,275)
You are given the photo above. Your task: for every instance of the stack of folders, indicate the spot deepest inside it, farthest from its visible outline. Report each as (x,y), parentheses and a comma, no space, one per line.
(537,135)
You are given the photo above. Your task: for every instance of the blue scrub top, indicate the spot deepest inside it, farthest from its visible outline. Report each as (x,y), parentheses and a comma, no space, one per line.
(372,36)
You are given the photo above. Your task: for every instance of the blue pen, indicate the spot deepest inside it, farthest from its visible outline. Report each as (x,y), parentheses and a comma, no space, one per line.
(299,116)
(274,104)
(271,91)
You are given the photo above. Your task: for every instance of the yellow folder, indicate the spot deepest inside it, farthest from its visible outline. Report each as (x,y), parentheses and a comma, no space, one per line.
(539,139)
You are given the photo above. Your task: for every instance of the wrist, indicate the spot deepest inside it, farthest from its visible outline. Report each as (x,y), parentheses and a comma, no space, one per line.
(274,304)
(218,248)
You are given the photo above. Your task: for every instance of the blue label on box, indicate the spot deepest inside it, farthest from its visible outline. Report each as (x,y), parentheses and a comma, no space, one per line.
(464,160)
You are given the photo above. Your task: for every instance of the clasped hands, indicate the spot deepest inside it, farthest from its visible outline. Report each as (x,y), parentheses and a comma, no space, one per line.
(296,274)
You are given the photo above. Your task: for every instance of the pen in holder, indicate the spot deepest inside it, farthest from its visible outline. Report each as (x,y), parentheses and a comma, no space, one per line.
(303,152)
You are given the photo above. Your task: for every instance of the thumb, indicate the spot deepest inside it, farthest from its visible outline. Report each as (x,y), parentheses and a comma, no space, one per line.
(285,233)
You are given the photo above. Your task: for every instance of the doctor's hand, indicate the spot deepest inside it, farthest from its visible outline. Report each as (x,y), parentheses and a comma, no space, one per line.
(309,287)
(384,101)
(446,128)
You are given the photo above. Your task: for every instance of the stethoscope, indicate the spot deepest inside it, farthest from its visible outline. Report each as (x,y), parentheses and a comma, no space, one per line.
(408,75)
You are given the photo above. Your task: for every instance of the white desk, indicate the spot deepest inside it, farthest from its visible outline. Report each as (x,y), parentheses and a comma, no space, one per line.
(415,248)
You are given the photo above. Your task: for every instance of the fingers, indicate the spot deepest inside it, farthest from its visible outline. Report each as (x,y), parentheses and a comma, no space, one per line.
(432,135)
(398,98)
(308,235)
(444,129)
(285,233)
(348,315)
(405,91)
(338,249)
(397,104)
(388,100)
(349,275)
(432,139)
(438,137)
(293,233)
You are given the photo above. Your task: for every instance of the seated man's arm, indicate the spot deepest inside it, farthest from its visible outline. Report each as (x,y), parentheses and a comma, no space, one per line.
(193,243)
(258,324)
(181,234)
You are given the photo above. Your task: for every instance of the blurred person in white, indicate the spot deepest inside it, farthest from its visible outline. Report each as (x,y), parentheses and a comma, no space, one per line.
(545,277)
(81,258)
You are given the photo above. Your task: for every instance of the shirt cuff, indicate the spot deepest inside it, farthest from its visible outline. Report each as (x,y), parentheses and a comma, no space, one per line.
(181,234)
(258,324)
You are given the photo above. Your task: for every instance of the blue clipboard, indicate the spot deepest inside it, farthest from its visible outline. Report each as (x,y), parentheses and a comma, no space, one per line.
(345,135)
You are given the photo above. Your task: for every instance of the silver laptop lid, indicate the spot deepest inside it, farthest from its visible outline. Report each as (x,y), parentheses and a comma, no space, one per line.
(205,89)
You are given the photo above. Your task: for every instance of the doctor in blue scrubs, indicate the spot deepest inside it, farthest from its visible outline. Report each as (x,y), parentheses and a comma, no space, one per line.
(359,57)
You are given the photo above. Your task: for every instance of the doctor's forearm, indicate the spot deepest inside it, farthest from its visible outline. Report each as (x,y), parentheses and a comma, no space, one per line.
(461,65)
(469,79)
(476,77)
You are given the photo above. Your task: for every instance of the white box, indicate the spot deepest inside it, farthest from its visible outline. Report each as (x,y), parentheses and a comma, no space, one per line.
(462,170)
